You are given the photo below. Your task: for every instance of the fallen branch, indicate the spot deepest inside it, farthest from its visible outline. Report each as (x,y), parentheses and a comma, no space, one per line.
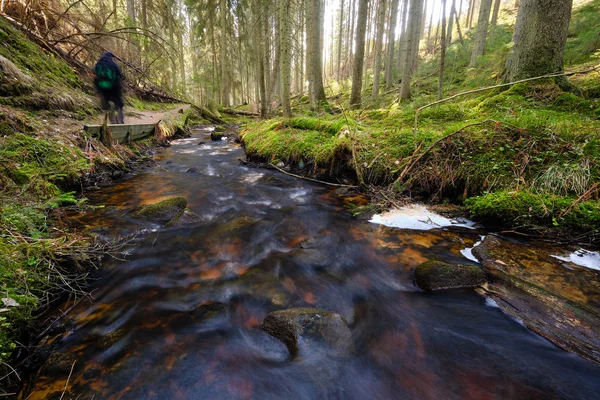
(310,179)
(240,112)
(411,165)
(579,200)
(554,75)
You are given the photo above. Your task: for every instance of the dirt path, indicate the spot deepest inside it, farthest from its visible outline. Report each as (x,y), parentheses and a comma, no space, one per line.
(144,117)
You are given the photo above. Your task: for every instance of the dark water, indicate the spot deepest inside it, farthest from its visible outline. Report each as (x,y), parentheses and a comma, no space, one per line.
(179,318)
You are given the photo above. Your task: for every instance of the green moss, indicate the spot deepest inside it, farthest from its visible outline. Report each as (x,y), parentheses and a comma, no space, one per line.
(163,210)
(526,209)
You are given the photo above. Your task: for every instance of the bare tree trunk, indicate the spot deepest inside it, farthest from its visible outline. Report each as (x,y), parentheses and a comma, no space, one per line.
(361,27)
(402,46)
(264,105)
(540,37)
(481,33)
(378,60)
(340,36)
(442,52)
(131,11)
(415,53)
(349,32)
(223,10)
(266,44)
(451,23)
(368,43)
(389,64)
(416,11)
(314,47)
(286,56)
(495,12)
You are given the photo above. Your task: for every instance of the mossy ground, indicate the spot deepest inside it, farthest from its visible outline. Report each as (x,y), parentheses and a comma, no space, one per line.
(539,141)
(45,159)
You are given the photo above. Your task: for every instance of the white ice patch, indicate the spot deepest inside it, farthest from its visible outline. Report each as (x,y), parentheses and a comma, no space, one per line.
(491,302)
(418,217)
(252,177)
(583,258)
(468,252)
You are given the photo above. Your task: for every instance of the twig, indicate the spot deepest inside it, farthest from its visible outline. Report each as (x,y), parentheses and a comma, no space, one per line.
(411,165)
(12,369)
(579,200)
(310,179)
(68,378)
(554,75)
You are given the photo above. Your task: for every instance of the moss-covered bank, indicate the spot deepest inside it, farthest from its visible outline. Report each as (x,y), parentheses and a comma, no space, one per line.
(526,157)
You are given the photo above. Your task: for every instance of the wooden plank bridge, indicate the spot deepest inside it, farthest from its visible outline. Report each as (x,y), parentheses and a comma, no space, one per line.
(122,133)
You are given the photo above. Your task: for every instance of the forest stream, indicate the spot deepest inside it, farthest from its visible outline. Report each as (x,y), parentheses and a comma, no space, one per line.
(178,315)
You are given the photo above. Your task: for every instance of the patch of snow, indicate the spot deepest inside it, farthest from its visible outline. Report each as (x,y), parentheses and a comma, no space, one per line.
(418,217)
(468,252)
(491,302)
(583,258)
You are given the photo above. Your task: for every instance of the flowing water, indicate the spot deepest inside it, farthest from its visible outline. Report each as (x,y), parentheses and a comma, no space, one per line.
(179,317)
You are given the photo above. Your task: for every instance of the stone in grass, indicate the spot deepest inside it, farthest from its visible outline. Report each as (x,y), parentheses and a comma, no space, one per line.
(437,275)
(162,211)
(186,217)
(301,328)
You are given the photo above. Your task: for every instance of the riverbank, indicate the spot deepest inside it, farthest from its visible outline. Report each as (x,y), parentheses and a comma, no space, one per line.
(47,166)
(524,158)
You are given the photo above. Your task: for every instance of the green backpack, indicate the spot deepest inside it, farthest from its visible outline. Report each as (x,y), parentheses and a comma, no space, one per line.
(106,78)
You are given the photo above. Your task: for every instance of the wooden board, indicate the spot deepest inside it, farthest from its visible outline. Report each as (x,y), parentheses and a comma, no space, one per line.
(123,132)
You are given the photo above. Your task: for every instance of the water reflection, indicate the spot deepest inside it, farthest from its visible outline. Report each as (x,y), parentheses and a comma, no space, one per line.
(180,318)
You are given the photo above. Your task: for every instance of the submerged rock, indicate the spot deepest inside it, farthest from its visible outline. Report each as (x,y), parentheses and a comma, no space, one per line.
(215,136)
(186,217)
(556,299)
(300,328)
(162,211)
(437,275)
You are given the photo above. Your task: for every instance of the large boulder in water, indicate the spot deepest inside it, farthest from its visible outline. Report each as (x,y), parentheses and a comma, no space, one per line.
(554,298)
(162,211)
(437,275)
(300,328)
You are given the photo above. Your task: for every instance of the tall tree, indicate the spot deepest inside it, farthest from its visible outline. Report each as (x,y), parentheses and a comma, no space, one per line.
(378,48)
(442,52)
(224,61)
(451,23)
(413,35)
(389,64)
(481,32)
(361,28)
(340,37)
(286,56)
(495,12)
(540,37)
(314,46)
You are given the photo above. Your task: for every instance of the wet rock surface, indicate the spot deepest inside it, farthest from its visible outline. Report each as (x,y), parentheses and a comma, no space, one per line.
(162,211)
(558,300)
(437,275)
(186,217)
(301,328)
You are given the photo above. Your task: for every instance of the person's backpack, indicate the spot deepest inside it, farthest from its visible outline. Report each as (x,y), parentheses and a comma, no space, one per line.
(106,77)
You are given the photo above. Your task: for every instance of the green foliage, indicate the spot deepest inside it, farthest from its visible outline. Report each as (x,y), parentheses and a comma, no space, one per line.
(583,42)
(526,209)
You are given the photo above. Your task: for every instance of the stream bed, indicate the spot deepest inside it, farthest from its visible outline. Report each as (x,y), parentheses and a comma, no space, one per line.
(178,315)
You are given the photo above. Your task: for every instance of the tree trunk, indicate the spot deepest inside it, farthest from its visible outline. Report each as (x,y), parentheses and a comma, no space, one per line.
(340,36)
(314,47)
(481,33)
(389,64)
(378,49)
(414,19)
(495,12)
(402,45)
(451,23)
(540,37)
(442,51)
(223,10)
(262,89)
(131,11)
(286,56)
(266,53)
(361,27)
